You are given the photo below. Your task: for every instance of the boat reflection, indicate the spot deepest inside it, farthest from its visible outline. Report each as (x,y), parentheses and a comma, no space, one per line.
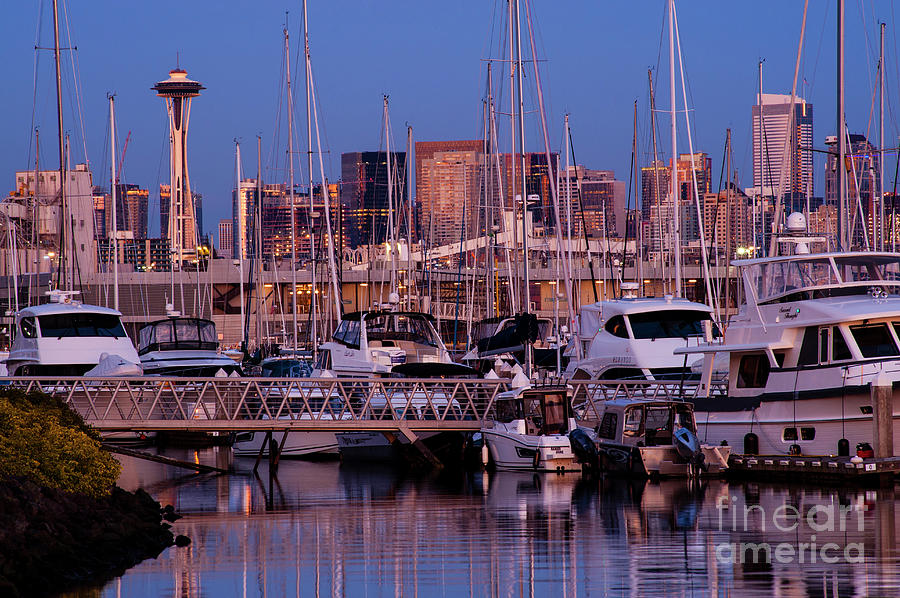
(329,530)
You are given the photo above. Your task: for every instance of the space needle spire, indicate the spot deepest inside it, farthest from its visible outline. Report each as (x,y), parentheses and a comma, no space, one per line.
(181,226)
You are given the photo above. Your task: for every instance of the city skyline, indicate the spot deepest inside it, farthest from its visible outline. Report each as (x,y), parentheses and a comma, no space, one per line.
(434,85)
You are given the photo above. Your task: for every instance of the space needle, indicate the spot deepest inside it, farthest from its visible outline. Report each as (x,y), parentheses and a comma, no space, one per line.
(178,91)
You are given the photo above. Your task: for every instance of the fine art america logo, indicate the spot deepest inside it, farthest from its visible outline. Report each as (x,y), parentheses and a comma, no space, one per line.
(808,533)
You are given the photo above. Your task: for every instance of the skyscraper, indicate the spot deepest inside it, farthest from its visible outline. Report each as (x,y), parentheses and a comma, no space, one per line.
(225,238)
(364,194)
(448,189)
(770,128)
(862,163)
(181,228)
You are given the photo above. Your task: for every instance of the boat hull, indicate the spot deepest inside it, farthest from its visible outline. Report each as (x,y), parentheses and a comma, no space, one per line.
(511,450)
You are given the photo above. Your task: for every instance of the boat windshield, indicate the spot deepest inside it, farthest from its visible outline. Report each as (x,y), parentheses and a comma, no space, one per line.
(674,323)
(178,334)
(401,327)
(791,278)
(81,324)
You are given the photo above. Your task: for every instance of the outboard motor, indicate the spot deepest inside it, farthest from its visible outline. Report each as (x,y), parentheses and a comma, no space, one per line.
(688,447)
(584,448)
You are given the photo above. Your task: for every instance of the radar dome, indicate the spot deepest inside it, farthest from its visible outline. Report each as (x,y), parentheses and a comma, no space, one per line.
(796,222)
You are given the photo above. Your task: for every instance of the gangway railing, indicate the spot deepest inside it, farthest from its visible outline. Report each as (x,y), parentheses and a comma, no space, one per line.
(153,403)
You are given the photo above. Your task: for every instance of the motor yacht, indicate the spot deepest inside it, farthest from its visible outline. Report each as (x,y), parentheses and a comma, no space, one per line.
(181,346)
(68,338)
(634,338)
(815,331)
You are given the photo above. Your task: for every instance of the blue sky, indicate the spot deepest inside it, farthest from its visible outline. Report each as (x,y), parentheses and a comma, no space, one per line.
(428,57)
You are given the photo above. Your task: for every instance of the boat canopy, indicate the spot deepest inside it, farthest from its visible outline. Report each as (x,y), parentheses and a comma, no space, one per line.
(177,334)
(813,276)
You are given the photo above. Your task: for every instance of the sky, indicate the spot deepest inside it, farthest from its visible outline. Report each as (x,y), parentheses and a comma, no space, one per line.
(430,59)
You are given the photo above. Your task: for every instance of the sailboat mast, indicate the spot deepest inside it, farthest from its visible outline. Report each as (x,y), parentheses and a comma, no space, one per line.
(112,178)
(239,247)
(313,303)
(526,294)
(287,61)
(256,264)
(514,68)
(657,195)
(675,199)
(881,227)
(392,232)
(62,269)
(843,231)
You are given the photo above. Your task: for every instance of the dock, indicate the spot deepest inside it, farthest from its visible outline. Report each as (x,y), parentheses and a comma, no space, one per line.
(830,469)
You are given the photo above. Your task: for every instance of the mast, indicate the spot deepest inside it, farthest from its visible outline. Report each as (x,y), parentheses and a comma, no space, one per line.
(409,217)
(62,273)
(112,178)
(240,237)
(256,264)
(514,68)
(287,60)
(843,232)
(392,232)
(573,292)
(520,104)
(656,188)
(313,303)
(880,231)
(675,199)
(763,166)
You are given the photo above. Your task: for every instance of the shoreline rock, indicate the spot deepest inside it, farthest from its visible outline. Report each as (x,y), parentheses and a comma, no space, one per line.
(51,540)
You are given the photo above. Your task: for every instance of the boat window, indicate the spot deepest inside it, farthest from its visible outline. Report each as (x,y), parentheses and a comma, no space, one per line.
(868,268)
(633,419)
(28,328)
(809,352)
(807,433)
(339,333)
(670,323)
(789,435)
(164,332)
(839,349)
(753,371)
(186,330)
(684,417)
(400,327)
(657,418)
(81,324)
(608,425)
(351,335)
(616,327)
(874,340)
(555,407)
(207,332)
(507,410)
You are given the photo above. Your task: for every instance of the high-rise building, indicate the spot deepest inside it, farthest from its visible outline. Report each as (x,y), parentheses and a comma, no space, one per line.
(863,190)
(770,122)
(449,176)
(364,194)
(131,210)
(181,229)
(701,164)
(601,204)
(101,198)
(226,242)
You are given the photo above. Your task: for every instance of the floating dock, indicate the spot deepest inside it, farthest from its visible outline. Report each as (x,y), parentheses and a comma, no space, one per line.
(847,470)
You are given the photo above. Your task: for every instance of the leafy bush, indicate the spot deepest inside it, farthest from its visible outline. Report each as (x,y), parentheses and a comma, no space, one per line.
(43,440)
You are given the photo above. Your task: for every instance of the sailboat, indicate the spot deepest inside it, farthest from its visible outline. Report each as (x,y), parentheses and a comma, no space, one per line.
(66,337)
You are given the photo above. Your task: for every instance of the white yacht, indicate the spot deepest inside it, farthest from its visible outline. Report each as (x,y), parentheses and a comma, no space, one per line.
(69,338)
(531,430)
(634,338)
(654,438)
(179,346)
(502,338)
(384,343)
(814,332)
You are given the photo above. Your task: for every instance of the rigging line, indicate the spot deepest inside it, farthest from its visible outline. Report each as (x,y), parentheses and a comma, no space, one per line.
(79,103)
(869,52)
(37,56)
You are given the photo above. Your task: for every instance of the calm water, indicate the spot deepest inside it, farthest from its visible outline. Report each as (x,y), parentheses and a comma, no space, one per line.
(323,529)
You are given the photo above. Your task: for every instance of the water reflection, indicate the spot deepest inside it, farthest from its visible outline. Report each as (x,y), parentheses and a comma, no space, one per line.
(322,529)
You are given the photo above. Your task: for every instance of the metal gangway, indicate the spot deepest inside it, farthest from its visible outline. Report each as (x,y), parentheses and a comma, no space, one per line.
(407,405)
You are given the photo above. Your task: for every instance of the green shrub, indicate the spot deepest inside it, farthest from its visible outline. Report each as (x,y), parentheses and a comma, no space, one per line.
(43,440)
